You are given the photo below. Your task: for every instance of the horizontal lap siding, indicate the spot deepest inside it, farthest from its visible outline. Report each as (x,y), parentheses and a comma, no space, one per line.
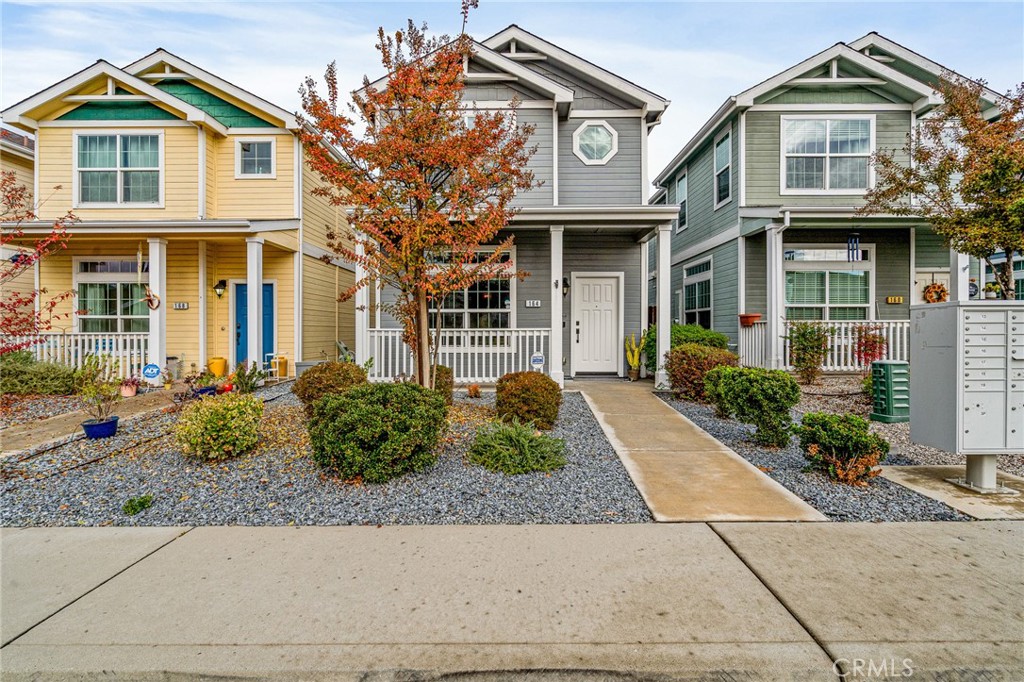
(22,169)
(319,216)
(929,251)
(279,266)
(533,255)
(180,176)
(256,198)
(756,264)
(616,183)
(183,287)
(211,175)
(724,287)
(541,163)
(325,320)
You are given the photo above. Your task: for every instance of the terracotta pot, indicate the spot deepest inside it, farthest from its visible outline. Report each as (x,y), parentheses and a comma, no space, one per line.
(129,391)
(633,374)
(748,319)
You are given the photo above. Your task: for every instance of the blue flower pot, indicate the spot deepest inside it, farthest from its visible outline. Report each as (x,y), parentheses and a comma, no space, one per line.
(95,428)
(205,390)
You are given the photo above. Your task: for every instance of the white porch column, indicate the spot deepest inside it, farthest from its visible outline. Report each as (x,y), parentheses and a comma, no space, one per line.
(645,284)
(664,295)
(362,303)
(555,366)
(776,298)
(254,300)
(959,276)
(158,317)
(202,302)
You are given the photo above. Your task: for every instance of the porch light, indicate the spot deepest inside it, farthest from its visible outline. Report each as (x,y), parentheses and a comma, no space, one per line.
(853,247)
(565,286)
(220,287)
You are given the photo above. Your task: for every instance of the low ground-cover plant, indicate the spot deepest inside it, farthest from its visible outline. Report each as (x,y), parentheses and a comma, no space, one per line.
(327,378)
(680,334)
(529,397)
(688,364)
(841,447)
(377,431)
(219,427)
(516,448)
(444,382)
(135,505)
(20,374)
(808,348)
(762,397)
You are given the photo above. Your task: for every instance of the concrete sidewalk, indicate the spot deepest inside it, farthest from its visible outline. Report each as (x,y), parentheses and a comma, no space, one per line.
(694,601)
(682,472)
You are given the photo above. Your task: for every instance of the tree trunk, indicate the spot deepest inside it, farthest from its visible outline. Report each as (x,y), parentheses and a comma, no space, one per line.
(422,350)
(1004,276)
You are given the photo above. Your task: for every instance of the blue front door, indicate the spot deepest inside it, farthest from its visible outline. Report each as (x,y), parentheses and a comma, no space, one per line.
(242,322)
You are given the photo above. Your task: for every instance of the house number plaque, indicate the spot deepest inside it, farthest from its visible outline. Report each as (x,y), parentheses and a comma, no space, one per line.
(894,299)
(532,303)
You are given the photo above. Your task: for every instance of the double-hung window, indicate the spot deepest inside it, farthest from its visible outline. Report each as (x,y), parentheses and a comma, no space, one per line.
(118,169)
(826,154)
(723,167)
(697,294)
(681,199)
(482,306)
(822,284)
(111,296)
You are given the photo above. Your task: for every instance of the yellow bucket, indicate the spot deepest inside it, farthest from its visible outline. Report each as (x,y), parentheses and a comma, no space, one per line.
(218,366)
(280,365)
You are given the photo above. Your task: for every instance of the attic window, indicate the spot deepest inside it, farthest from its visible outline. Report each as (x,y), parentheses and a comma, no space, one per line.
(255,159)
(595,143)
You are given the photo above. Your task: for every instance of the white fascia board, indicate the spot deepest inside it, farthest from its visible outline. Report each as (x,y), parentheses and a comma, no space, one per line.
(658,195)
(16,150)
(709,127)
(908,55)
(565,215)
(163,56)
(654,103)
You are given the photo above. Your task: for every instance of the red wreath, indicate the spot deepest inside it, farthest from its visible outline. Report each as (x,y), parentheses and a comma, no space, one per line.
(936,292)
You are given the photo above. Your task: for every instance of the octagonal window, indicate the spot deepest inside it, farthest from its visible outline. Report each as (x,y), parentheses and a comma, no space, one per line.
(595,142)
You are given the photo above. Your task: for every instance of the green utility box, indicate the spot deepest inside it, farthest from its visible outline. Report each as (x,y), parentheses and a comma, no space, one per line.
(890,384)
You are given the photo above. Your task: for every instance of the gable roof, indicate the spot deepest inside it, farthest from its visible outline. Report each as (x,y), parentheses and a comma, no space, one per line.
(654,104)
(20,114)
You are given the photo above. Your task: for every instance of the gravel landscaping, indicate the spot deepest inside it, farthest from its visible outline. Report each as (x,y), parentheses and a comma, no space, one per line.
(18,409)
(278,484)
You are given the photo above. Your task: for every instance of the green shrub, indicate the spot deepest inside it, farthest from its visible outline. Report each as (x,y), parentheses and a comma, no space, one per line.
(808,348)
(18,357)
(444,383)
(42,378)
(717,387)
(840,446)
(687,364)
(867,386)
(516,448)
(327,378)
(681,333)
(528,397)
(377,431)
(247,377)
(763,397)
(221,426)
(137,504)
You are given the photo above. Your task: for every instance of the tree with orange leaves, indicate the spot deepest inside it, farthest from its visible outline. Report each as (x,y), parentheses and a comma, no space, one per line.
(426,188)
(966,177)
(20,316)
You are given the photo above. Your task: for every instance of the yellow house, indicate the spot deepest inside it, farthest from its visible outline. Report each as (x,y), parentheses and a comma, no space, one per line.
(198,235)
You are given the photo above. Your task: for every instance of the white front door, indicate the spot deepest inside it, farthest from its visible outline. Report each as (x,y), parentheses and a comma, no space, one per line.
(595,332)
(923,278)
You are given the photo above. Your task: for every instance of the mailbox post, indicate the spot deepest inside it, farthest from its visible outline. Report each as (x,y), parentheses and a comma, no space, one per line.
(967,383)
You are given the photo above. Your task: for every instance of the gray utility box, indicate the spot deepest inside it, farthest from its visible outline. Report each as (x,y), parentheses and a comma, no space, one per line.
(967,381)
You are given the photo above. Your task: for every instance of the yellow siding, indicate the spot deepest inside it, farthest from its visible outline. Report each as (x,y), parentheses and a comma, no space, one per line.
(318,215)
(211,175)
(180,176)
(324,319)
(183,287)
(22,169)
(255,198)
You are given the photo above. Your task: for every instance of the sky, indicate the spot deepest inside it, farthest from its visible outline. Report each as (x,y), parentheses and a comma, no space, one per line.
(695,54)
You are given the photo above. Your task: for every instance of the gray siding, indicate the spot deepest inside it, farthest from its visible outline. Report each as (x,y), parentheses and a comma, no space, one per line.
(542,162)
(855,95)
(499,92)
(587,95)
(616,183)
(929,251)
(763,157)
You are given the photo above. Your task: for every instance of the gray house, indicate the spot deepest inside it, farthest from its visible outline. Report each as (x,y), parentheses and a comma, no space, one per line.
(582,235)
(768,189)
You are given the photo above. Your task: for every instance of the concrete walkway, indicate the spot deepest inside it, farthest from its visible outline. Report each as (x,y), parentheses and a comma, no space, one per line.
(694,601)
(682,472)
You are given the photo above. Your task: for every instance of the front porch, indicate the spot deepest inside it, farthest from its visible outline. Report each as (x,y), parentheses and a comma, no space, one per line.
(753,344)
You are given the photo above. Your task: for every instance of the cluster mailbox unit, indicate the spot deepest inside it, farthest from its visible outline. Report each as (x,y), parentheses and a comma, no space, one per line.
(967,383)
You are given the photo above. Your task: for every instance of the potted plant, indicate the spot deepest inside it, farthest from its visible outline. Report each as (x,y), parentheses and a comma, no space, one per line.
(748,319)
(201,383)
(993,290)
(165,376)
(633,350)
(100,390)
(130,386)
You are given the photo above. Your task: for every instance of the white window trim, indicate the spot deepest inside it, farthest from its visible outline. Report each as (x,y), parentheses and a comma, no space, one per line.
(576,143)
(871,118)
(696,279)
(76,201)
(239,175)
(837,265)
(716,170)
(102,278)
(685,212)
(512,309)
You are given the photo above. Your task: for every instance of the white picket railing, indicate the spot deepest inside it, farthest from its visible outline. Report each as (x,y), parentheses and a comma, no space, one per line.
(474,355)
(755,351)
(71,348)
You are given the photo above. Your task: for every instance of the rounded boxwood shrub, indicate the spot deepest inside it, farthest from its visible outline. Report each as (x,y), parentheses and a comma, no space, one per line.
(680,334)
(221,426)
(516,448)
(21,374)
(377,431)
(444,382)
(688,364)
(762,397)
(327,378)
(716,389)
(528,397)
(840,446)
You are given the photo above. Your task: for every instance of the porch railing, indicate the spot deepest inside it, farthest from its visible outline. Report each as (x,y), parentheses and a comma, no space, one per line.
(474,355)
(755,351)
(71,349)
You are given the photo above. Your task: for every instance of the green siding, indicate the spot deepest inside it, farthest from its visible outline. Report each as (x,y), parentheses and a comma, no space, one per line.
(832,96)
(724,289)
(225,112)
(763,157)
(117,111)
(929,251)
(756,264)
